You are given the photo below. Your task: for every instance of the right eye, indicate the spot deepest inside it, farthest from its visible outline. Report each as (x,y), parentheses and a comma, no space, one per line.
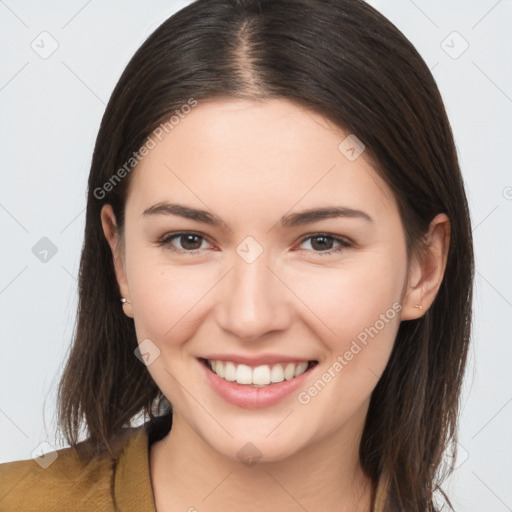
(190,242)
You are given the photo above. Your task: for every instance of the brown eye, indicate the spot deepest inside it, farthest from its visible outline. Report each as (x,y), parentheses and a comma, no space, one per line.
(322,243)
(190,243)
(325,244)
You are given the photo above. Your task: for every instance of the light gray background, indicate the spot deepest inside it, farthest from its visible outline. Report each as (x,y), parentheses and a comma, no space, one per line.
(50,113)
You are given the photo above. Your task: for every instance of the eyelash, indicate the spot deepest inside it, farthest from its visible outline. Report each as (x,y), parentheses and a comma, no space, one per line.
(165,241)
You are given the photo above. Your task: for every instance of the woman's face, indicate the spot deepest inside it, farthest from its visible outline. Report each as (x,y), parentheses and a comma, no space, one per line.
(256,281)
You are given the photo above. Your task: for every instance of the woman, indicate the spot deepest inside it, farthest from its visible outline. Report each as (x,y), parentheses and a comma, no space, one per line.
(277,269)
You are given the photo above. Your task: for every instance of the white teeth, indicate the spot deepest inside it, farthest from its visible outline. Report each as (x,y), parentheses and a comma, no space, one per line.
(219,368)
(243,374)
(263,375)
(229,372)
(289,371)
(300,368)
(277,373)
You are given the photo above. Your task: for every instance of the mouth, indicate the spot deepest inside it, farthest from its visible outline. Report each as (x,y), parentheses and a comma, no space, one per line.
(261,376)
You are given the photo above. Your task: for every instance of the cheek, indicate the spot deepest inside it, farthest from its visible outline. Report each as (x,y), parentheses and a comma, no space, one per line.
(167,299)
(360,313)
(356,308)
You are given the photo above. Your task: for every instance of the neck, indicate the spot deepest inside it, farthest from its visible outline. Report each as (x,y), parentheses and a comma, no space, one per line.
(188,475)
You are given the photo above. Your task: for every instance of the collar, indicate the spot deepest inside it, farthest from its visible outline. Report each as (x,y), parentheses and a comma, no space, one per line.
(132,482)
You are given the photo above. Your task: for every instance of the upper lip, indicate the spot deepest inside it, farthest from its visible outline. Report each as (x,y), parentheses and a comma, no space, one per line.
(264,359)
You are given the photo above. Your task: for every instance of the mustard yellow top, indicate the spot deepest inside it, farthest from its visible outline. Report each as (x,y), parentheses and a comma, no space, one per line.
(105,484)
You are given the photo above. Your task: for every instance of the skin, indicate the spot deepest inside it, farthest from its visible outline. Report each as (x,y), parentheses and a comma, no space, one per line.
(250,163)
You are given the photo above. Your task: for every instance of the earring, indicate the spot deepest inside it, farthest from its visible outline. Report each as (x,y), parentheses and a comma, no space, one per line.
(128,311)
(419,306)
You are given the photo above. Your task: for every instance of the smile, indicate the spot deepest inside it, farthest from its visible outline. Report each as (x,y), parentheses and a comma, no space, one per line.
(258,386)
(259,376)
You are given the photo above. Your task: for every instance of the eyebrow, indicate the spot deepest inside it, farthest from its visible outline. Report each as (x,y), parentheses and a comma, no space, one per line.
(290,220)
(317,214)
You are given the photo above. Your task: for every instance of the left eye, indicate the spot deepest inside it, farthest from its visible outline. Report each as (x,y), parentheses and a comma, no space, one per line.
(323,243)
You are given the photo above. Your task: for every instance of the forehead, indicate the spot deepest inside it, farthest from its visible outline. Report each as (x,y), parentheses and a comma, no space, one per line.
(257,154)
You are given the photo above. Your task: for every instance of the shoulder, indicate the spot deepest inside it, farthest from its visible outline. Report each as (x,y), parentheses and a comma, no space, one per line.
(61,480)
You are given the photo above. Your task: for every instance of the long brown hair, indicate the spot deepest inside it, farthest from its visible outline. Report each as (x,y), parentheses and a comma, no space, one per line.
(346,61)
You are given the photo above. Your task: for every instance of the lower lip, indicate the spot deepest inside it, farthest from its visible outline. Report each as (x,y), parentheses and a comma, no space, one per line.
(251,397)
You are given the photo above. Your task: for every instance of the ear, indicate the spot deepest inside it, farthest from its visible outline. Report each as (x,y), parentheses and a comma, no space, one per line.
(108,221)
(426,272)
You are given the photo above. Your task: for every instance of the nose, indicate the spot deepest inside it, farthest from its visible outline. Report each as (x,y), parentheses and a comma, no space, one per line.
(253,301)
